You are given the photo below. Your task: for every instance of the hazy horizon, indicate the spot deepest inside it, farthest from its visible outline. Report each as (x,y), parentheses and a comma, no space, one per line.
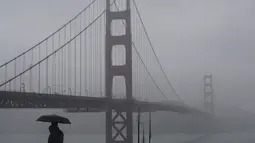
(191,38)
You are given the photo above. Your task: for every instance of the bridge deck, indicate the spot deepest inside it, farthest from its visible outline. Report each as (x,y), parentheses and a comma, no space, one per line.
(97,104)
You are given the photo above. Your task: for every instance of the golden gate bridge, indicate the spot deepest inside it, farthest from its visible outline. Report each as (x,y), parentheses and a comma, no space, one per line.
(102,60)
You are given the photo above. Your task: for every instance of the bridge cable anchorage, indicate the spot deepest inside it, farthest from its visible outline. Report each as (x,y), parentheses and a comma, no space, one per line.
(54,52)
(49,35)
(152,47)
(143,63)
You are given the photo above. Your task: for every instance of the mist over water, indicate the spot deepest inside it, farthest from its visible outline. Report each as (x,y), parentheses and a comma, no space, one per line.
(236,125)
(191,39)
(164,138)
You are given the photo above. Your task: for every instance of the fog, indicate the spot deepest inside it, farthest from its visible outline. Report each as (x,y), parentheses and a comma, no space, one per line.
(196,37)
(227,120)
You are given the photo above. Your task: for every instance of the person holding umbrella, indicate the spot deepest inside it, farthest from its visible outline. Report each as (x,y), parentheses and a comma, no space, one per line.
(56,135)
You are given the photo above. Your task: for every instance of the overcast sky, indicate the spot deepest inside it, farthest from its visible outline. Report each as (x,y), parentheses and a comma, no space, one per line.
(191,38)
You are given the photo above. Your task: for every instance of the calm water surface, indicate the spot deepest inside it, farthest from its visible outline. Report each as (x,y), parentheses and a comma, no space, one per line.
(164,138)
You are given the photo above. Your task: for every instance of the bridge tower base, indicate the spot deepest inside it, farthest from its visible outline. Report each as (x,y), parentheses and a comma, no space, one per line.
(118,121)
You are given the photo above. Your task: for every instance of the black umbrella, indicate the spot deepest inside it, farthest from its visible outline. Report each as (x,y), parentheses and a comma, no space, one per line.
(53,119)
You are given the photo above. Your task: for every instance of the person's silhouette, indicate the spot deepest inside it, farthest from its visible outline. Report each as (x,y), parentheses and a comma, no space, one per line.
(56,135)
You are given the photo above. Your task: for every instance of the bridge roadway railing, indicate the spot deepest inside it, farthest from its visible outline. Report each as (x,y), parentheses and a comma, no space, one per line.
(92,104)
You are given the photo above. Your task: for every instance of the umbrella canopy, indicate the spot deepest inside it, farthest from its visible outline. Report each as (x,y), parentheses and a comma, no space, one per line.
(53,119)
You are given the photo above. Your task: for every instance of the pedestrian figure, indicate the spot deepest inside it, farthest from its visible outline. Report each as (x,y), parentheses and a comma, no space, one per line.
(56,135)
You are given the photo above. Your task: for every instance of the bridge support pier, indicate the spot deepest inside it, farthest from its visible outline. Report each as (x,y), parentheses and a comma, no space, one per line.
(119,124)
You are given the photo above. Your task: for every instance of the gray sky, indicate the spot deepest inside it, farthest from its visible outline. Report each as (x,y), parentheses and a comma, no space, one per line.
(191,38)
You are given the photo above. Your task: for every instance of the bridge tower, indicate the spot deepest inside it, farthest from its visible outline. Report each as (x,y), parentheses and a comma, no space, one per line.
(118,131)
(208,94)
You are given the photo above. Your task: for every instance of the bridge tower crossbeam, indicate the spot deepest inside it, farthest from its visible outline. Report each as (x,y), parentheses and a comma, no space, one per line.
(118,130)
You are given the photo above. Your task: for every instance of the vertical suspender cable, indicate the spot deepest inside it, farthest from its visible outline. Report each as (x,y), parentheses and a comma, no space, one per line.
(80,54)
(150,127)
(75,58)
(31,81)
(24,67)
(64,64)
(15,73)
(90,55)
(5,79)
(52,79)
(101,55)
(47,62)
(59,65)
(138,126)
(85,54)
(39,70)
(93,52)
(62,67)
(69,58)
